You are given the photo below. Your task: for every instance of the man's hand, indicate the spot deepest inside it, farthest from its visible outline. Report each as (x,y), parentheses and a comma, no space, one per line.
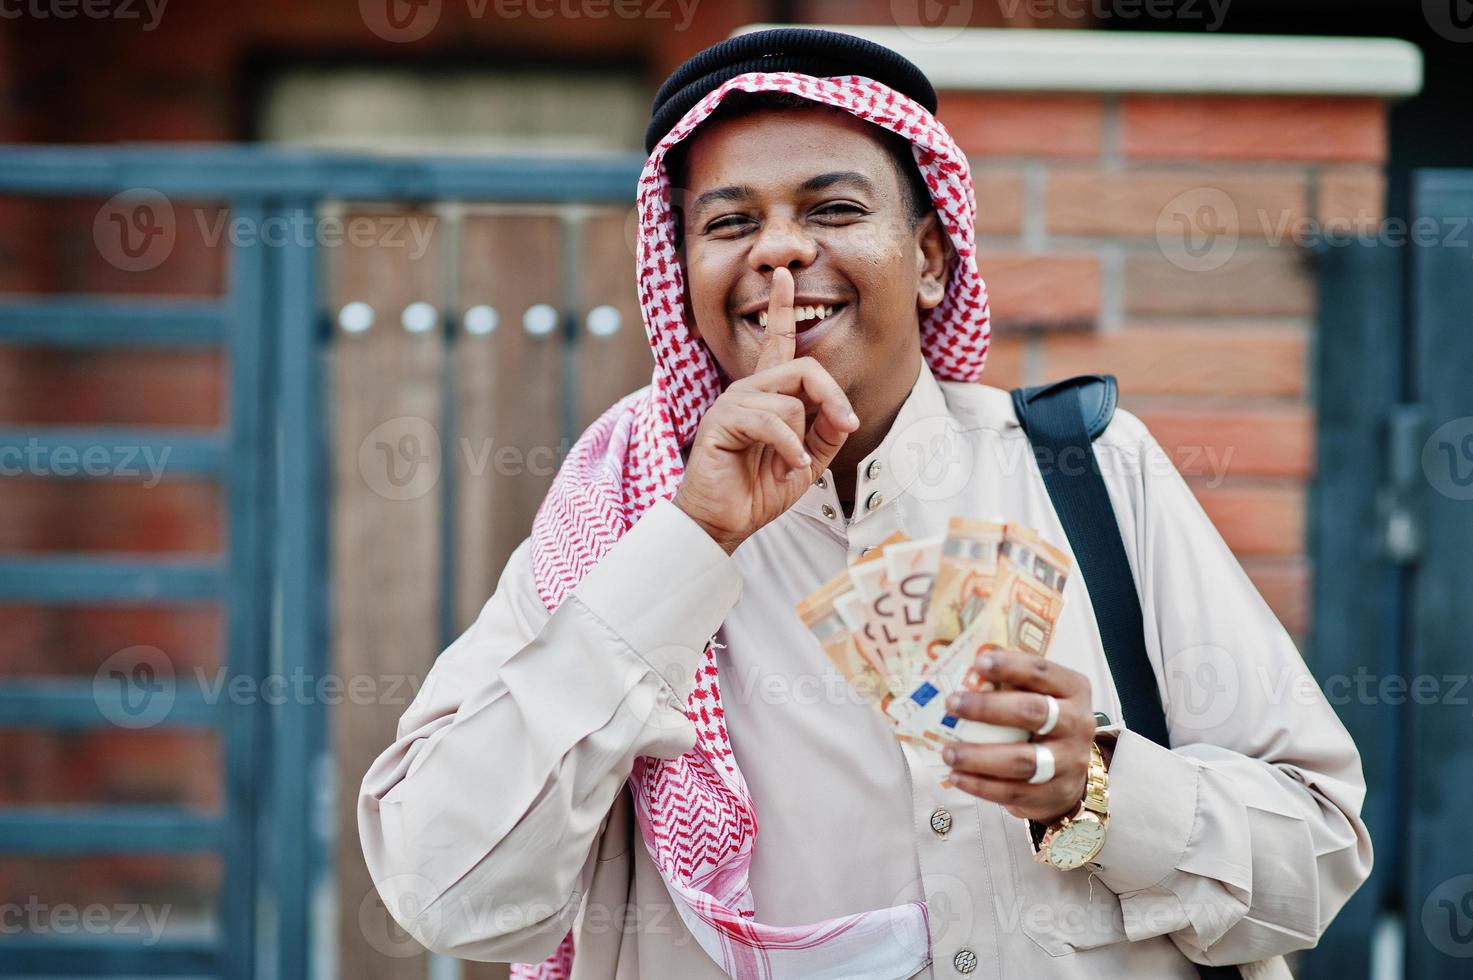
(767,437)
(1000,772)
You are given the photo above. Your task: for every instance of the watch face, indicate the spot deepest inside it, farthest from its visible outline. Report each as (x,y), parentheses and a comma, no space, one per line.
(1076,844)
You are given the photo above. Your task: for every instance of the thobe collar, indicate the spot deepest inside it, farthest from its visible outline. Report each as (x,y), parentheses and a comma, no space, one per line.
(910,449)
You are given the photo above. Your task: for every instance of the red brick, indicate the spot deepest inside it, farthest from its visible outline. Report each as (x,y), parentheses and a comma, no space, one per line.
(999,201)
(1254,281)
(1352,201)
(77,640)
(1035,125)
(1229,127)
(1091,202)
(1284,585)
(1005,362)
(124,387)
(1273,440)
(123,514)
(1042,290)
(1267,361)
(1256,519)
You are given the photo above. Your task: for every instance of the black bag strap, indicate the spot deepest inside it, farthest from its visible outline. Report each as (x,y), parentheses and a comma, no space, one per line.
(1062,421)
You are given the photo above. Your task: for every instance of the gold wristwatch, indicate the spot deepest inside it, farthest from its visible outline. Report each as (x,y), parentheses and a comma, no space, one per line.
(1073,841)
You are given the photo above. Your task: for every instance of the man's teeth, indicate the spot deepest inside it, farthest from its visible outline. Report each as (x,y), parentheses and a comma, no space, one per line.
(800,313)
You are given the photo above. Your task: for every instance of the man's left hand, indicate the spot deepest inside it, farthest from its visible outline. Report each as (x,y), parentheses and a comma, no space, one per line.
(1000,772)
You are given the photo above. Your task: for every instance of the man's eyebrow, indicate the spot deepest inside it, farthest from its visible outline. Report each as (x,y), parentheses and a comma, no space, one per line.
(840,177)
(741,193)
(818,183)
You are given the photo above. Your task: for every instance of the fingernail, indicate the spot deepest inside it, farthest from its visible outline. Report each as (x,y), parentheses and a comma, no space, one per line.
(950,756)
(807,459)
(953,702)
(853,419)
(986,662)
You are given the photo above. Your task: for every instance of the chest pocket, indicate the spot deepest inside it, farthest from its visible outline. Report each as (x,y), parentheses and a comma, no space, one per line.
(1061,911)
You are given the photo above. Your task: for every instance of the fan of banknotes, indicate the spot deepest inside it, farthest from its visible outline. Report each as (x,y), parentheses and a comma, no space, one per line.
(906,624)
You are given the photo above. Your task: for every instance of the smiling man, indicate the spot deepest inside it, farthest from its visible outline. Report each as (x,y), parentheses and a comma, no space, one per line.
(579,785)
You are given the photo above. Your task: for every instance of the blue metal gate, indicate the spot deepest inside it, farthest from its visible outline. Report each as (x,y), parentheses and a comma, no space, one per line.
(271,579)
(1392,544)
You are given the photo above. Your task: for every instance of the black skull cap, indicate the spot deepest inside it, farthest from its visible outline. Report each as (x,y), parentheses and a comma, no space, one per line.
(808,50)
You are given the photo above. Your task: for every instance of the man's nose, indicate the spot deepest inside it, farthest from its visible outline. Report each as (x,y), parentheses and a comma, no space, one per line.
(782,241)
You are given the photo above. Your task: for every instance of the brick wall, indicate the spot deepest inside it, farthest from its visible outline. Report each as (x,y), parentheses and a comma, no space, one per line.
(1071,188)
(1077,194)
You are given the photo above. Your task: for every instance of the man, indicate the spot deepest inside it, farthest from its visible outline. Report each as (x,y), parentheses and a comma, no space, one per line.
(586,784)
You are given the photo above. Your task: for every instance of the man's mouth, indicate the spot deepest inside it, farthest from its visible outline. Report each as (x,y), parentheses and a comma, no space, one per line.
(806,317)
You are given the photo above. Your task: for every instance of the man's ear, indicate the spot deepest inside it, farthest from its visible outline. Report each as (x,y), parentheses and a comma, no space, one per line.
(934,251)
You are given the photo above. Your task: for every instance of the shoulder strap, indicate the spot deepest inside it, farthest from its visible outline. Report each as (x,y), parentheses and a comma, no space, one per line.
(1062,421)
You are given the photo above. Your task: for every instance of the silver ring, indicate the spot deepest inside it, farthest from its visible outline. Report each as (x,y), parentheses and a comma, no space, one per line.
(1053,715)
(1043,762)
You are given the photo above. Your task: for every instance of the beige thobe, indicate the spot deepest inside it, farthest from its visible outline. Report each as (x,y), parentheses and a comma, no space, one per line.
(498,820)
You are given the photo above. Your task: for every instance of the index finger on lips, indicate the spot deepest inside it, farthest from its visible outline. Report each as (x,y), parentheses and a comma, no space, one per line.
(1029,672)
(779,340)
(807,379)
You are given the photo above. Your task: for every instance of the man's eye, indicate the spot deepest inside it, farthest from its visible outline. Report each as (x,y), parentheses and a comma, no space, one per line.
(726,222)
(840,209)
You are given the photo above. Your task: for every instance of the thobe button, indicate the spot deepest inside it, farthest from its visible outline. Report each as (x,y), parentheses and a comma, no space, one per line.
(866,550)
(965,961)
(821,483)
(873,470)
(828,512)
(941,820)
(875,500)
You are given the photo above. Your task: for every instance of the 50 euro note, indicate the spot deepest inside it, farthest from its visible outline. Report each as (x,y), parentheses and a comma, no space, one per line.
(893,586)
(828,614)
(1021,613)
(965,572)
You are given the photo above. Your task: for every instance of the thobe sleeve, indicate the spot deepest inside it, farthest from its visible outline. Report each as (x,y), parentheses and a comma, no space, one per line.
(1243,839)
(480,823)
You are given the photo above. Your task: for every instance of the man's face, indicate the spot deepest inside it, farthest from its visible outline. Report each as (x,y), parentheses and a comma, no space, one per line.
(814,190)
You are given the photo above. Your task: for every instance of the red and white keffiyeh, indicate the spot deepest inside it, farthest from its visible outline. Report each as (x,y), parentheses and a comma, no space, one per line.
(695,813)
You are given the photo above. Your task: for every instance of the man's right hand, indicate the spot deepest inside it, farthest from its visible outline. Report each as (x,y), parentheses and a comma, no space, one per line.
(767,437)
